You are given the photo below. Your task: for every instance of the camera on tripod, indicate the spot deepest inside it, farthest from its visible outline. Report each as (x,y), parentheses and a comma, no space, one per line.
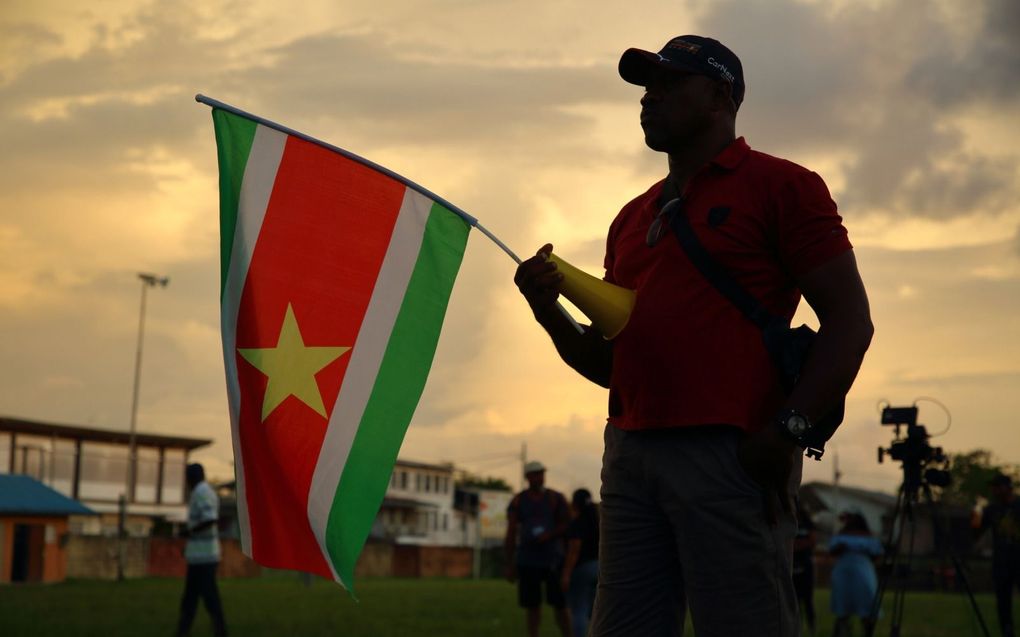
(924,466)
(914,451)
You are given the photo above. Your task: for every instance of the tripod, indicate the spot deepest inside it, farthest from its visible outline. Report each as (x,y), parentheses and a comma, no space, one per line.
(904,514)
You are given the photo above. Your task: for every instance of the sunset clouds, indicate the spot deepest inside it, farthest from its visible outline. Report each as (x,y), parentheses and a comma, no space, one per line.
(514,112)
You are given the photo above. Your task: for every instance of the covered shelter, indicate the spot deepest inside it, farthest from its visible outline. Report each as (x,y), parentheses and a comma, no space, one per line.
(92,466)
(33,530)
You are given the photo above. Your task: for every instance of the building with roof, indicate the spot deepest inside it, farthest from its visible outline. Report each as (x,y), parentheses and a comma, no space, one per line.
(33,530)
(90,465)
(419,507)
(825,502)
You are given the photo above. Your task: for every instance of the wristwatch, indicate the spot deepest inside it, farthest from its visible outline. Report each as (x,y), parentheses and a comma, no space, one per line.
(795,426)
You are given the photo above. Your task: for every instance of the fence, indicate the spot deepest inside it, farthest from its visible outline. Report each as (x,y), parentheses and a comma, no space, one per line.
(96,557)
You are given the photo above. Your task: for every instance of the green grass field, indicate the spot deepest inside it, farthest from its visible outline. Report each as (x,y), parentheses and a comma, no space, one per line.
(281,605)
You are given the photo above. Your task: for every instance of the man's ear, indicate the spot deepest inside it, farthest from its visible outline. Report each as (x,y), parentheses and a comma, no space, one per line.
(722,98)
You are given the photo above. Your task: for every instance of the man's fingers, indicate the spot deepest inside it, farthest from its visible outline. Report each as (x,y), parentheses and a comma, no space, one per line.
(538,280)
(531,270)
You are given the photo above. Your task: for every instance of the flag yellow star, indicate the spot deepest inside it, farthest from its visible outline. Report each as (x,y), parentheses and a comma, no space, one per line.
(291,367)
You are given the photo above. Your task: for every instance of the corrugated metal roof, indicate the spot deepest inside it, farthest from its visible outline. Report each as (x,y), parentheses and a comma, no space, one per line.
(27,496)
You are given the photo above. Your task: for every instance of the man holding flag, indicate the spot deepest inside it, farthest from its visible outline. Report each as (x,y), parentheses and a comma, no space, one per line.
(703,445)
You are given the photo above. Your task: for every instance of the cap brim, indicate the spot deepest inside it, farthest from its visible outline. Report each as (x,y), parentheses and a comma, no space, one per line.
(637,64)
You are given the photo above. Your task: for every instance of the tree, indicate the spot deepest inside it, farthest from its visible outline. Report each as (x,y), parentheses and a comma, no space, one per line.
(470,480)
(971,472)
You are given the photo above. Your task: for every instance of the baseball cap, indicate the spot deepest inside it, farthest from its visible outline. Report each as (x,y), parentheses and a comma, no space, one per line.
(691,53)
(533,466)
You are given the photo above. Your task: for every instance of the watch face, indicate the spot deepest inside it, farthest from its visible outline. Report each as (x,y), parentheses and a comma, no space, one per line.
(797,424)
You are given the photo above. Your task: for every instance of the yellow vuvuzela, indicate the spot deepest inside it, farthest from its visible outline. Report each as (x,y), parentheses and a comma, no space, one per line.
(607,305)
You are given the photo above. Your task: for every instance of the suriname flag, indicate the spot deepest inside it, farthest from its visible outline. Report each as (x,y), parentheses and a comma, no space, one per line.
(335,278)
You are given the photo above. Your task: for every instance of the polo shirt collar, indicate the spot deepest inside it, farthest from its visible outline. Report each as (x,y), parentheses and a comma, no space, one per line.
(731,156)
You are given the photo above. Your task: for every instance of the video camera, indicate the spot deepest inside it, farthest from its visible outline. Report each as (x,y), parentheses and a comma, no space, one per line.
(913,451)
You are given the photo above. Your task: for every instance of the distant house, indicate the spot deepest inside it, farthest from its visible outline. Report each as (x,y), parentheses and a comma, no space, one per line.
(33,530)
(91,465)
(951,527)
(826,501)
(419,508)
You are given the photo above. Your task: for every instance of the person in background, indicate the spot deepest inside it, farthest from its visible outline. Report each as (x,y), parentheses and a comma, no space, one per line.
(537,520)
(202,553)
(1002,516)
(580,575)
(804,565)
(854,581)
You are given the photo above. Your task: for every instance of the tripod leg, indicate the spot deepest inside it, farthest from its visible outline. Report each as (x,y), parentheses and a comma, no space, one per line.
(891,558)
(900,594)
(937,528)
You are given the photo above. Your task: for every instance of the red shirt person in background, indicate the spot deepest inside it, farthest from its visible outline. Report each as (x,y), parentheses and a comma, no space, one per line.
(701,461)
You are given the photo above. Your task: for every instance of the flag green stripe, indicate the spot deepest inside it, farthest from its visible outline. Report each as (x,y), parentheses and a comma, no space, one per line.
(399,384)
(234,137)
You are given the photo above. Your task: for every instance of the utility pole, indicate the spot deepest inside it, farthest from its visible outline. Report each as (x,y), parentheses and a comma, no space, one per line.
(476,563)
(148,281)
(121,537)
(524,461)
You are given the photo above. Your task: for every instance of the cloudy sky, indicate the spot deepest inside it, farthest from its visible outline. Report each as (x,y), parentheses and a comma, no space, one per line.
(514,112)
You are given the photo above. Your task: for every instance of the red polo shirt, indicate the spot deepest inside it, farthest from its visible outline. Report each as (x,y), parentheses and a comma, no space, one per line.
(687,355)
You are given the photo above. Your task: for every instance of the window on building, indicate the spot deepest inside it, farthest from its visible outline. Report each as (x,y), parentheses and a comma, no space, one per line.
(33,457)
(63,466)
(428,483)
(417,482)
(5,452)
(148,474)
(103,471)
(173,476)
(403,480)
(446,521)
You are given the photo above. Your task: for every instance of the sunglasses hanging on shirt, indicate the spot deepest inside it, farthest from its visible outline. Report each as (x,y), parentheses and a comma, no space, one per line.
(663,220)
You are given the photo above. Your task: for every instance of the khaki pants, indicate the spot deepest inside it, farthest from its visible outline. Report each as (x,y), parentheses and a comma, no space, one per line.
(683,525)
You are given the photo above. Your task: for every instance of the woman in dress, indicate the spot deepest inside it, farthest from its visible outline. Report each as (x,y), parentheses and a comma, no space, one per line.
(854,582)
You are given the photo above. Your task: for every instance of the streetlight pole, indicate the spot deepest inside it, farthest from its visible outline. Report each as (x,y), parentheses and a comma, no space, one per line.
(148,281)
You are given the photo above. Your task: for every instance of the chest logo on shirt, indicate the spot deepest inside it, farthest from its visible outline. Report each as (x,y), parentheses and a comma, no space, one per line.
(717,215)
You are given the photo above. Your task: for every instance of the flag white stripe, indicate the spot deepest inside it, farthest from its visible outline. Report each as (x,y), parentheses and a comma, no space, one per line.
(256,188)
(366,359)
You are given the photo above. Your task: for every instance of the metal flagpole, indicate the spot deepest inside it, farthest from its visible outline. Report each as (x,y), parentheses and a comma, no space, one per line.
(471,221)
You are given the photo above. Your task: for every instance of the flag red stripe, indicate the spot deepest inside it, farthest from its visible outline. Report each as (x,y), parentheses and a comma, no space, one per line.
(323,240)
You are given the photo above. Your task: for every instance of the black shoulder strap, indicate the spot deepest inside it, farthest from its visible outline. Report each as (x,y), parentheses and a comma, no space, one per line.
(720,278)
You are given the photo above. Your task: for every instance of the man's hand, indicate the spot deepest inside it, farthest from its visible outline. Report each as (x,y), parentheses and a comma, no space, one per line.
(538,281)
(767,457)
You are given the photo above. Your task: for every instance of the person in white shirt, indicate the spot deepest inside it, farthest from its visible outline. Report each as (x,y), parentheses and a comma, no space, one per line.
(202,553)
